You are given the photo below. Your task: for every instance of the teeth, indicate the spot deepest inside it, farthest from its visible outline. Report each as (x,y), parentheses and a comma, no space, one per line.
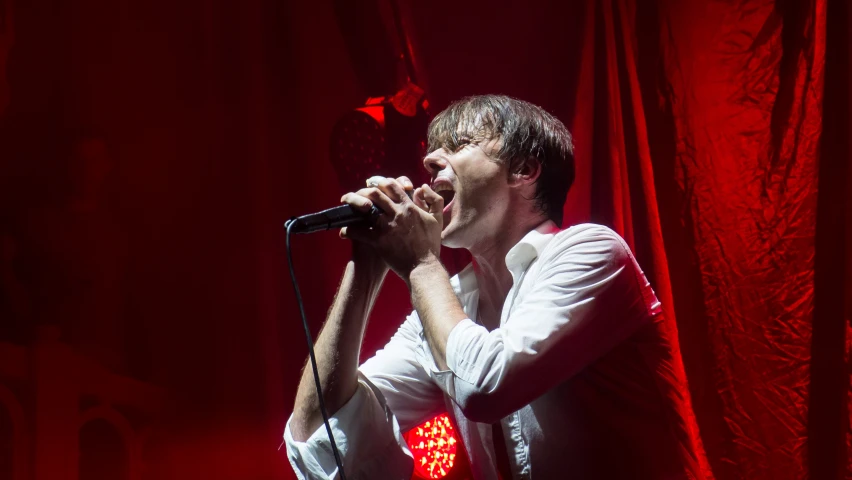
(442,187)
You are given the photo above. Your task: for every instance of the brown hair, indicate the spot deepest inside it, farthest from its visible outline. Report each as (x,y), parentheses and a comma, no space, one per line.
(526,132)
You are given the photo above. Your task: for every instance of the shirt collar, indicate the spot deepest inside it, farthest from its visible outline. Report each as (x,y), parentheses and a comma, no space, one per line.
(518,258)
(530,247)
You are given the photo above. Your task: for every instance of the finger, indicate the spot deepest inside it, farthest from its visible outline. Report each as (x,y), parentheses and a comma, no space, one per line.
(419,199)
(360,234)
(393,189)
(379,199)
(374,181)
(406,184)
(358,201)
(346,233)
(435,201)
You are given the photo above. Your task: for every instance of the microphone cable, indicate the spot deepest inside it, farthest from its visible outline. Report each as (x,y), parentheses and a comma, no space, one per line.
(289,225)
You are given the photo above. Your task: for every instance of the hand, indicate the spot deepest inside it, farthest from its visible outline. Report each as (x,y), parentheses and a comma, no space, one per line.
(408,233)
(364,254)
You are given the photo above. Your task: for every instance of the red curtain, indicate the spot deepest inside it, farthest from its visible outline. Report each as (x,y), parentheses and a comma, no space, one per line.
(698,127)
(712,134)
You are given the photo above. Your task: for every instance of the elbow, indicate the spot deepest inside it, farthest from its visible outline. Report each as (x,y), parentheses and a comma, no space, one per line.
(484,407)
(490,398)
(303,425)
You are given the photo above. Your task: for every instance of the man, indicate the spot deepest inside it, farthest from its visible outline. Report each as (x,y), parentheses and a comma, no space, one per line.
(549,350)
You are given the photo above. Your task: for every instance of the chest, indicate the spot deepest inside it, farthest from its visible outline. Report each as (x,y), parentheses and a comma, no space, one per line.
(488,315)
(492,307)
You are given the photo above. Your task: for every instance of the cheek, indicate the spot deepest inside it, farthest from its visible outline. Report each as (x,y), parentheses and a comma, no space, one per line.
(486,178)
(488,188)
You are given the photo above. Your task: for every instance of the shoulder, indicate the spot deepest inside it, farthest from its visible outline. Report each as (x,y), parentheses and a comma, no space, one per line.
(588,240)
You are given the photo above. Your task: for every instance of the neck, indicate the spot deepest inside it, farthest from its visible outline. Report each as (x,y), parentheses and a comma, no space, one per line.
(489,264)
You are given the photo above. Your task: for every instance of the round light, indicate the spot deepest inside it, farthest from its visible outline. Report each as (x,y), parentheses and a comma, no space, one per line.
(434,447)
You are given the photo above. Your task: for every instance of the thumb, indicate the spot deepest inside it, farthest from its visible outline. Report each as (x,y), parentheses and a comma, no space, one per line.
(359,234)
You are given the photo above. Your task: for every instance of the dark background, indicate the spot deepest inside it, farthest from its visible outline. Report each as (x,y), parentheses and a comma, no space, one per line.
(150,152)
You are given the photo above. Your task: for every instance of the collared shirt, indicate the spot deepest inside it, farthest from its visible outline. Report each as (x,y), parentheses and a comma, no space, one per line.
(583,374)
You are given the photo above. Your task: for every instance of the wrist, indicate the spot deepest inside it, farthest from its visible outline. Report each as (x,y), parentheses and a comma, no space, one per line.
(426,269)
(367,262)
(368,271)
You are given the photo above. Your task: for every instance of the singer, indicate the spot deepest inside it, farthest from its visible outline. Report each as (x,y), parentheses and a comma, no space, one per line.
(550,350)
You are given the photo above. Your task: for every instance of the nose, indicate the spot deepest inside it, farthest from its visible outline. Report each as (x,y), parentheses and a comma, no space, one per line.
(434,162)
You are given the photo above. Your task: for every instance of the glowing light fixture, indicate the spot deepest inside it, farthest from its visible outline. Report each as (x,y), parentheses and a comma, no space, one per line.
(434,447)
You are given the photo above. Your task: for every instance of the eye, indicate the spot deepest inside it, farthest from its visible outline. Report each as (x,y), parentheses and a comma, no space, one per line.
(462,142)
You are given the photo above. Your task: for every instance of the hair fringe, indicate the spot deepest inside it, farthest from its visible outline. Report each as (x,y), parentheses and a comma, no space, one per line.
(526,131)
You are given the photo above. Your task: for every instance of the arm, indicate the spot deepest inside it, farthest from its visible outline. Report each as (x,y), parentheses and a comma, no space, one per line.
(408,236)
(368,436)
(437,304)
(588,296)
(338,347)
(393,394)
(366,408)
(339,344)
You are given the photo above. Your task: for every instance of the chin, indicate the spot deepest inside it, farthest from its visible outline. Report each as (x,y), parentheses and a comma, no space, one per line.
(453,236)
(449,237)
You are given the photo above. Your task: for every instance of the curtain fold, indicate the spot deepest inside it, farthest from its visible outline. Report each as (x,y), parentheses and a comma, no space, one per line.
(698,127)
(614,156)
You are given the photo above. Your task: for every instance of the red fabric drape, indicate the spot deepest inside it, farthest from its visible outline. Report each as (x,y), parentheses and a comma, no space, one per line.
(698,127)
(614,157)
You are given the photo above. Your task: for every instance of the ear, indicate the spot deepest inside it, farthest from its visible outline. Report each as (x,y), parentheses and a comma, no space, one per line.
(525,173)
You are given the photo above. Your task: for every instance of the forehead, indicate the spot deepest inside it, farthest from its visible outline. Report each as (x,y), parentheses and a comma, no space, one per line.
(459,125)
(476,123)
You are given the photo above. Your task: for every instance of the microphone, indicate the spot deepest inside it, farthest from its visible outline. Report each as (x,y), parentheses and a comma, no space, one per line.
(336,217)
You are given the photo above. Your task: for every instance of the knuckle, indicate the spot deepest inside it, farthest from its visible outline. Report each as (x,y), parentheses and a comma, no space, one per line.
(374,180)
(413,210)
(396,186)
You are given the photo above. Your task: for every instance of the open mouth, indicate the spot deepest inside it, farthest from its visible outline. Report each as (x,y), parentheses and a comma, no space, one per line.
(445,190)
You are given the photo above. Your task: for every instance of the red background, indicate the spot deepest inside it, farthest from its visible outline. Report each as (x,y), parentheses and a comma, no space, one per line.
(712,135)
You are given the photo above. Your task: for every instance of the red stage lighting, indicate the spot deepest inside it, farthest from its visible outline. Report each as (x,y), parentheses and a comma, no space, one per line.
(386,136)
(434,447)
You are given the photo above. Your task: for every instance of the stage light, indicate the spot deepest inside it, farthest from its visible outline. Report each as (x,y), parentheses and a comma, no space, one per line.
(434,446)
(386,136)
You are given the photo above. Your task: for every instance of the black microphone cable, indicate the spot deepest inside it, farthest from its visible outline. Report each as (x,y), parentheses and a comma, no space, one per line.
(289,226)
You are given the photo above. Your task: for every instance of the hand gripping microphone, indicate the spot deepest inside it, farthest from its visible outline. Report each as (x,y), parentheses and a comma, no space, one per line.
(337,217)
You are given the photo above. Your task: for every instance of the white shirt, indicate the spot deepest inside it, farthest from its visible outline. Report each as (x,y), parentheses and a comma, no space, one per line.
(582,374)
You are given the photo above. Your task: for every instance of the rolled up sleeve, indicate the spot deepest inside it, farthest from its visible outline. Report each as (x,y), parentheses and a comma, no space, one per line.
(586,297)
(394,394)
(367,435)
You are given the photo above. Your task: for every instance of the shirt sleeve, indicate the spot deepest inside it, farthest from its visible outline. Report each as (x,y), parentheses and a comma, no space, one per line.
(368,438)
(589,296)
(394,394)
(398,371)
